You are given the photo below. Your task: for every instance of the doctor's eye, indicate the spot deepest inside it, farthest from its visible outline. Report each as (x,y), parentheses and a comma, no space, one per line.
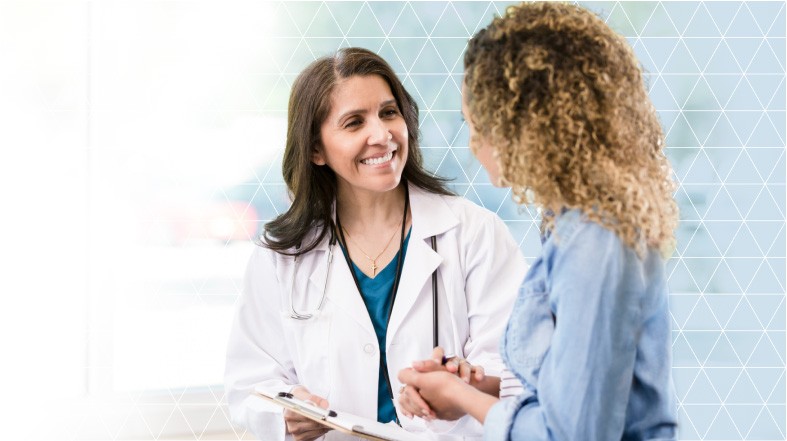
(390,112)
(355,122)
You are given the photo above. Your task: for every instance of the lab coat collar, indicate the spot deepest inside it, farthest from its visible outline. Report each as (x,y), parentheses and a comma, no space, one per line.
(430,213)
(431,216)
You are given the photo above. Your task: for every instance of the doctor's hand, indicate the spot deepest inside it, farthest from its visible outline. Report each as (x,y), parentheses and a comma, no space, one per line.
(473,375)
(412,404)
(302,428)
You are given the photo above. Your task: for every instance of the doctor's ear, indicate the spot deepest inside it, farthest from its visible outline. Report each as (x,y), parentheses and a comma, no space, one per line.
(317,154)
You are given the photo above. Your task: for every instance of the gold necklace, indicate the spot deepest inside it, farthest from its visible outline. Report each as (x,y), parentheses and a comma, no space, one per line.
(374,261)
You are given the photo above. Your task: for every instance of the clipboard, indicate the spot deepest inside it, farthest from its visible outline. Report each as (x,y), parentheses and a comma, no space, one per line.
(341,421)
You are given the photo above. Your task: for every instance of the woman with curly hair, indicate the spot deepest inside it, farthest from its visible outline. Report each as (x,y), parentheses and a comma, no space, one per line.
(558,111)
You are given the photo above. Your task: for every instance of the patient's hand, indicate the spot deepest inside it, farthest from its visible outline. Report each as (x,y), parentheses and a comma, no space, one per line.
(411,401)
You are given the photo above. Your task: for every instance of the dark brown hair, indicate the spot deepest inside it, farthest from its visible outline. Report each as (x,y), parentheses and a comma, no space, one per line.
(312,188)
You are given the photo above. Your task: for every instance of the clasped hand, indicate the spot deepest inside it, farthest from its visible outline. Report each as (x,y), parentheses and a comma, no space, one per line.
(430,386)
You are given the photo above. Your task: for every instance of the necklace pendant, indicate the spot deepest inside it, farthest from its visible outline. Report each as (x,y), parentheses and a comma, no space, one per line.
(374,268)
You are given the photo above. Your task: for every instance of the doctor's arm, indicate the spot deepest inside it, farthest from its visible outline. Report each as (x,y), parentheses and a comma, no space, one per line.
(257,355)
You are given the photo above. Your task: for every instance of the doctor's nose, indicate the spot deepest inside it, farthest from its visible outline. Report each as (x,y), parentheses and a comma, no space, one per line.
(379,133)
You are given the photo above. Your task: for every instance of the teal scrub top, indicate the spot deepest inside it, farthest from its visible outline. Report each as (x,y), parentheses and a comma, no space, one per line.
(376,293)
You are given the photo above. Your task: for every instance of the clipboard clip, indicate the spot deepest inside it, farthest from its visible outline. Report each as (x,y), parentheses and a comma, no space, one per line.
(305,406)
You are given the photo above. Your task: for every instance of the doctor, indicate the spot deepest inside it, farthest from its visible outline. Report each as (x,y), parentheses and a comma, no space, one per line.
(373,264)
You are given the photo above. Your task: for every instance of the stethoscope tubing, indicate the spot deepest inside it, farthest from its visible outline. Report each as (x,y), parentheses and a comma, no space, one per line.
(299,316)
(306,316)
(295,314)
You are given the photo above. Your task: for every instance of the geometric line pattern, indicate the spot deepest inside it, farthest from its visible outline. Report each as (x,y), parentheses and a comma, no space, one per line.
(716,74)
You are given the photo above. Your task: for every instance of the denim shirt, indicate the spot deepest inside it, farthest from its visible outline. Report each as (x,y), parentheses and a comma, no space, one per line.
(589,338)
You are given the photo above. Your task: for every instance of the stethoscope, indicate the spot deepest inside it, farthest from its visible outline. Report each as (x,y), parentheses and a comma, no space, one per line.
(294,314)
(306,316)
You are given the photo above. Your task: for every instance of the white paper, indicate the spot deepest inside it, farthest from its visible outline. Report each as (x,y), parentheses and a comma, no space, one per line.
(353,423)
(366,426)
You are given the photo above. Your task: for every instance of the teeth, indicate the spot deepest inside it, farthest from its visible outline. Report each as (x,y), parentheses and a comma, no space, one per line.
(380,160)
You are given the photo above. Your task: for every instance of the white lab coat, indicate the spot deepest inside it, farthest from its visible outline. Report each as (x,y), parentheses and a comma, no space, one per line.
(335,353)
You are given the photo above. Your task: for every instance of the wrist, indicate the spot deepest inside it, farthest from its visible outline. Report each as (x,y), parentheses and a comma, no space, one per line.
(463,393)
(473,402)
(489,385)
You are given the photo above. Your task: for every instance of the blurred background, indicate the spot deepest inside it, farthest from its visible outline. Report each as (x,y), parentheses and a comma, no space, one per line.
(141,151)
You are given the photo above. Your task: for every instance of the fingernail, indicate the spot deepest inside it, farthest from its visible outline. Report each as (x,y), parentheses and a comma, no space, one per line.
(418,364)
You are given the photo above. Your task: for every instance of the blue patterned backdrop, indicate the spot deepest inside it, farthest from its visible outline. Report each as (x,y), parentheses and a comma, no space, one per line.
(154,131)
(716,73)
(184,107)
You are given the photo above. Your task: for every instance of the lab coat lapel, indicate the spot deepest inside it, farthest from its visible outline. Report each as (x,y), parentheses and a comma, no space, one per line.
(341,289)
(419,264)
(431,217)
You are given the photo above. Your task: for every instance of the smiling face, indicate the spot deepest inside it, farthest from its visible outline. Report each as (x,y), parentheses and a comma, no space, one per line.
(364,136)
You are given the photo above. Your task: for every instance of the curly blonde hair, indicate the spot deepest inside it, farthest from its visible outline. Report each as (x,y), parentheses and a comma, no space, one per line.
(561,98)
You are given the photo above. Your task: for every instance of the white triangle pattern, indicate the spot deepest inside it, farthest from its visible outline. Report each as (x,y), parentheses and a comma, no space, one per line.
(713,84)
(716,73)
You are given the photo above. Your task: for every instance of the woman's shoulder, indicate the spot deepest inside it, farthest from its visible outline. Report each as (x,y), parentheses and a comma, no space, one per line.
(261,254)
(572,223)
(262,250)
(577,234)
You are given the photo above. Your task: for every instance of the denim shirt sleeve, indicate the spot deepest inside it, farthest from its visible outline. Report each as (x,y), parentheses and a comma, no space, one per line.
(594,284)
(500,417)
